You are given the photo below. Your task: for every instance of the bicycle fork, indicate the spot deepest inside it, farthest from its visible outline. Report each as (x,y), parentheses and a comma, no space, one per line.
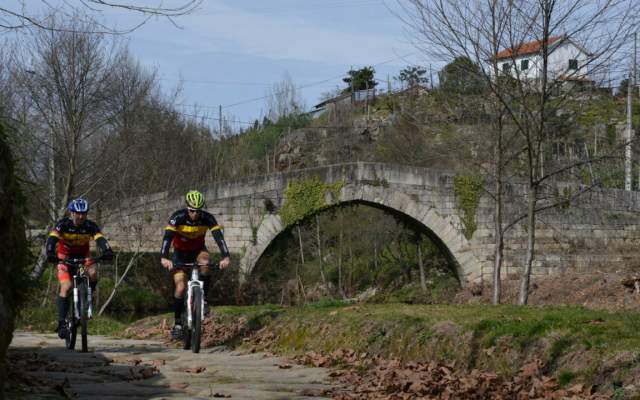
(193,282)
(88,299)
(75,300)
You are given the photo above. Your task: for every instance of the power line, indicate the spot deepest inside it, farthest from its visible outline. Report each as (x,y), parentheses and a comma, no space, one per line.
(251,100)
(309,7)
(215,82)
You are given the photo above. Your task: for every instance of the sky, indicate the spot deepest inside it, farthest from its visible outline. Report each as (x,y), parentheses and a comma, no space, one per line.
(231,52)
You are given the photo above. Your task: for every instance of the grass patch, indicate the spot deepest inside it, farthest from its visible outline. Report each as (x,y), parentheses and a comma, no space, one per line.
(559,347)
(498,338)
(44,319)
(256,316)
(565,377)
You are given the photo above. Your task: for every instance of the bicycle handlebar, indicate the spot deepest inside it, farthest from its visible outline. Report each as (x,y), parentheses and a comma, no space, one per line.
(194,264)
(77,261)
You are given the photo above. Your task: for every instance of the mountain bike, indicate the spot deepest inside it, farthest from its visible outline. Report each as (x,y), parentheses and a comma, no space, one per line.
(193,313)
(81,309)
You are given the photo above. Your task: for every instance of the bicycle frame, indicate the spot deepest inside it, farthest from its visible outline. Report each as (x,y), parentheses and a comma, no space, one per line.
(194,281)
(82,305)
(79,276)
(192,324)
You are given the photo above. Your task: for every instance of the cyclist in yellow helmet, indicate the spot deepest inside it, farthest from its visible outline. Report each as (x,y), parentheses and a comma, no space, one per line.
(186,232)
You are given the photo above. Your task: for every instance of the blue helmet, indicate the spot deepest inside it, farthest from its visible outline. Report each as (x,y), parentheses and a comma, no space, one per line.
(79,205)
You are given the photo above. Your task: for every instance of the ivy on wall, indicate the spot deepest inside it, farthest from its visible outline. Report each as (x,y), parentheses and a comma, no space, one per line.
(467,188)
(306,197)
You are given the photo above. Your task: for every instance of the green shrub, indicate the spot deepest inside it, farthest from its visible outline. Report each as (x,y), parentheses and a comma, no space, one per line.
(131,299)
(467,188)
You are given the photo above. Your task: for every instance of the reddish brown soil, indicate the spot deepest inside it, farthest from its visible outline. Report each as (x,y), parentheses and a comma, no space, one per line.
(612,290)
(393,380)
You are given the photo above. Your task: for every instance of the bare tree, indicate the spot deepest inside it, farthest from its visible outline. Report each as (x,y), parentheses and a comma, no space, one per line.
(25,15)
(67,91)
(283,99)
(446,29)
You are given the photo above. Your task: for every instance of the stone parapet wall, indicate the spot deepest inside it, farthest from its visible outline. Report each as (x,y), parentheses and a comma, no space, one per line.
(598,230)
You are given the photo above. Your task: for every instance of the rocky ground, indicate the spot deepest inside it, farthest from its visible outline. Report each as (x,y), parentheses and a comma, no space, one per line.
(41,368)
(153,366)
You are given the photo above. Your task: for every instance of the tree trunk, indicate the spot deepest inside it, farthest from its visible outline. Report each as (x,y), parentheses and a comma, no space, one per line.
(499,234)
(375,253)
(300,243)
(531,239)
(42,258)
(341,291)
(423,278)
(322,275)
(350,266)
(45,298)
(497,268)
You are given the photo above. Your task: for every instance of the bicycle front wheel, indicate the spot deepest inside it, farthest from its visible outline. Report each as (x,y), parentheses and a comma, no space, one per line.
(196,330)
(83,306)
(72,327)
(186,333)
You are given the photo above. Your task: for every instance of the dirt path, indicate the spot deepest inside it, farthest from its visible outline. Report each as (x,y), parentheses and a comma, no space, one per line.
(41,368)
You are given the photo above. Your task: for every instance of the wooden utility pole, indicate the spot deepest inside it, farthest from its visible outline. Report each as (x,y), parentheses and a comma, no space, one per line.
(634,83)
(629,136)
(366,99)
(430,77)
(351,84)
(627,147)
(635,63)
(220,119)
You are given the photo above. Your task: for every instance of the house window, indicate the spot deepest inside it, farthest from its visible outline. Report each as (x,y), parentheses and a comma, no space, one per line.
(506,67)
(573,64)
(524,65)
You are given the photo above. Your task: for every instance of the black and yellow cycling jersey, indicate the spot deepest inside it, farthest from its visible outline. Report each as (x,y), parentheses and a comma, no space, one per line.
(68,239)
(188,235)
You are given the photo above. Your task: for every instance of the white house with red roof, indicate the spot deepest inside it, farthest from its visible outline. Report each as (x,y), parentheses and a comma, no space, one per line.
(567,61)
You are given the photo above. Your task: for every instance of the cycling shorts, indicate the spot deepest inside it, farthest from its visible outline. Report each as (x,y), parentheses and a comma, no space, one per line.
(64,271)
(186,257)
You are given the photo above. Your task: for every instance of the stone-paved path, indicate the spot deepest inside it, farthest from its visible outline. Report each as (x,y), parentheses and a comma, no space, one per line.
(143,369)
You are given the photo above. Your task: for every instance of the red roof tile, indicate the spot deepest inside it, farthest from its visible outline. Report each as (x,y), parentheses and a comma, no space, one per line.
(526,48)
(579,78)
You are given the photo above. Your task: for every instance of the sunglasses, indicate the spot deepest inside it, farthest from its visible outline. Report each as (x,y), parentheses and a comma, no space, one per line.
(194,210)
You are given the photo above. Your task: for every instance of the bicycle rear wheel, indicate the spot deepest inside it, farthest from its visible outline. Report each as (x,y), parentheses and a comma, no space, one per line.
(186,333)
(83,306)
(72,327)
(196,330)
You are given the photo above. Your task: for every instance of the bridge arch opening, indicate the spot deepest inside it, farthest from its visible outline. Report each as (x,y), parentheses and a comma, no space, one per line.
(352,247)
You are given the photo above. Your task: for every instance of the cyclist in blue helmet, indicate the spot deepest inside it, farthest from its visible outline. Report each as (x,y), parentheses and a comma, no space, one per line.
(70,237)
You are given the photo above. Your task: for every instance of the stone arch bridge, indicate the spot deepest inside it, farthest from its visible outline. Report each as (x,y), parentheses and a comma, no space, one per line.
(600,230)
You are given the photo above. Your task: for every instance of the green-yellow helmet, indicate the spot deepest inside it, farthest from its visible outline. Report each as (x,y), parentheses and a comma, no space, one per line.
(194,199)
